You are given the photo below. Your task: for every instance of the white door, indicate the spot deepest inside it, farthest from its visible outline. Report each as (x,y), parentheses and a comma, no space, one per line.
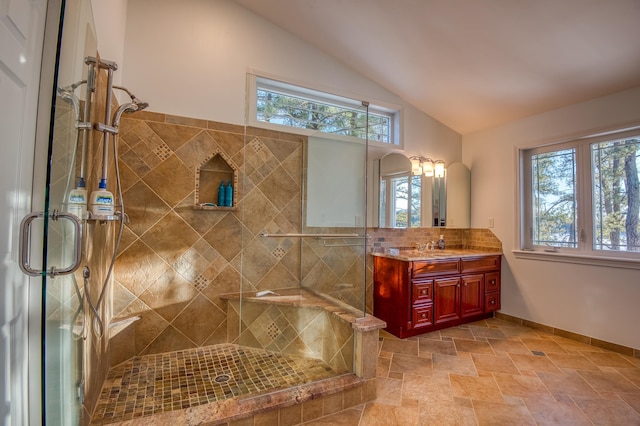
(22,25)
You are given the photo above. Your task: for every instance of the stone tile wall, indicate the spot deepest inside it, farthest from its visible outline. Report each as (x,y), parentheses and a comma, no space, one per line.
(296,330)
(175,260)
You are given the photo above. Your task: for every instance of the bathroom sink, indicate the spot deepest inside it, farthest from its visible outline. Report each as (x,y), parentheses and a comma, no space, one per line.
(422,254)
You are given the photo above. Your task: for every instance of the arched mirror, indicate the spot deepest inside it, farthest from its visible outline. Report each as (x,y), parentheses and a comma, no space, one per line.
(409,197)
(400,195)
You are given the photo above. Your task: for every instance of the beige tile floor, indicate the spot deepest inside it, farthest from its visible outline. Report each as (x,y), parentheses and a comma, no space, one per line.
(494,372)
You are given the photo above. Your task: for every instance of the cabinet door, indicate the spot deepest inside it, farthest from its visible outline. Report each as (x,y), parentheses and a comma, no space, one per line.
(447,299)
(421,291)
(422,315)
(492,282)
(491,302)
(472,295)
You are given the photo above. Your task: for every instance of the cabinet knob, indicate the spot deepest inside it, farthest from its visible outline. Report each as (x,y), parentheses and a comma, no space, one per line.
(493,281)
(493,302)
(423,316)
(424,292)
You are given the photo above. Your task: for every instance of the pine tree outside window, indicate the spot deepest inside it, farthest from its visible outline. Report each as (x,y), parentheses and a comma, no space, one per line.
(277,103)
(583,196)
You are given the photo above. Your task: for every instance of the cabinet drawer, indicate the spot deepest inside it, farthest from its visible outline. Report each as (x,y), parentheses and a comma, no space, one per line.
(491,302)
(422,315)
(436,267)
(478,264)
(421,291)
(492,282)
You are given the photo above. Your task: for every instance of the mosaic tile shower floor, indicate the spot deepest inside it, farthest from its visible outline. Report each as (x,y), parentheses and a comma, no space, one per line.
(152,384)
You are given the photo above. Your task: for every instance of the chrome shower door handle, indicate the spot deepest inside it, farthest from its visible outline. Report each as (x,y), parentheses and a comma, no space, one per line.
(25,244)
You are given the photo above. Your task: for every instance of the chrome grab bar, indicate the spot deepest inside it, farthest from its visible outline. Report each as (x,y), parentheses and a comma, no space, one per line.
(321,236)
(25,244)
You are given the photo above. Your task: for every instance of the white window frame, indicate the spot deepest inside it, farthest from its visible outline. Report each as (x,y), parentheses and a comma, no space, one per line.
(387,216)
(375,106)
(584,253)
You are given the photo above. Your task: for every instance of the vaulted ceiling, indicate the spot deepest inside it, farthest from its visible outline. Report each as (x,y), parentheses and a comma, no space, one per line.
(475,64)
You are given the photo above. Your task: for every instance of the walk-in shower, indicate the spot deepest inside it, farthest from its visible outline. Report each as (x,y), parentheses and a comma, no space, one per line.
(194,307)
(166,315)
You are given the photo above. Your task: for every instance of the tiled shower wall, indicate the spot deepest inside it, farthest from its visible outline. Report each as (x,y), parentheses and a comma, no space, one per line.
(175,260)
(309,331)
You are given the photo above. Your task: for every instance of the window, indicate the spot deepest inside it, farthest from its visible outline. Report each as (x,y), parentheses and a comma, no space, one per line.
(400,201)
(283,104)
(583,196)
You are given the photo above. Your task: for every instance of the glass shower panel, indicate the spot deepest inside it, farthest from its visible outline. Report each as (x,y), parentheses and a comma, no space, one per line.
(302,206)
(334,213)
(63,301)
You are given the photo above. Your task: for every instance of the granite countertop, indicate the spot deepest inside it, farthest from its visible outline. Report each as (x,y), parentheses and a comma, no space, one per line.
(410,255)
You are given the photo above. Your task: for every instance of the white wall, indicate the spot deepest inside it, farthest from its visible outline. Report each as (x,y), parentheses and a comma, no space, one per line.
(190,58)
(110,18)
(600,302)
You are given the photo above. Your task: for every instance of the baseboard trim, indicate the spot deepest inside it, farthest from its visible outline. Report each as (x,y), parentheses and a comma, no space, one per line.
(614,347)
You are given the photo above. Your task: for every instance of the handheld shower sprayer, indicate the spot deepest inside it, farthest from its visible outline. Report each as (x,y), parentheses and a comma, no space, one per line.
(128,108)
(140,104)
(67,95)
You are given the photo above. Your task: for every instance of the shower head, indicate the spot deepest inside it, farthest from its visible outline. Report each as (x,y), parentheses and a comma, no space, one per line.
(68,96)
(129,108)
(133,97)
(141,105)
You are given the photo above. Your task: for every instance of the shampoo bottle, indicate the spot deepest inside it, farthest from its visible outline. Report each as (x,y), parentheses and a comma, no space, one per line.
(441,242)
(102,201)
(221,192)
(77,201)
(228,194)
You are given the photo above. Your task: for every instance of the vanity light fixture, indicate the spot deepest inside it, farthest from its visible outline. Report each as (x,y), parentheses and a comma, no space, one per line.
(416,165)
(426,166)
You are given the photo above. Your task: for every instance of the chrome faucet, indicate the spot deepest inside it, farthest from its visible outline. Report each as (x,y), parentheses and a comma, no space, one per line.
(430,243)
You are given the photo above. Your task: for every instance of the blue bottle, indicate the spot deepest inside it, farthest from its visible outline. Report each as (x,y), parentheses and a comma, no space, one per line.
(221,194)
(228,195)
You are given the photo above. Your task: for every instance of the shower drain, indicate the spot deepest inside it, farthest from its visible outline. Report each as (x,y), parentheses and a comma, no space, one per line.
(223,378)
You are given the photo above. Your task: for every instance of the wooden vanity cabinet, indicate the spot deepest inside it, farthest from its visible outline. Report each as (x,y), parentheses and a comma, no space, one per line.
(415,297)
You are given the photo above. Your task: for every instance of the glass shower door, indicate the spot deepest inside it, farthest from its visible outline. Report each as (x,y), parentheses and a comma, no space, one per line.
(58,226)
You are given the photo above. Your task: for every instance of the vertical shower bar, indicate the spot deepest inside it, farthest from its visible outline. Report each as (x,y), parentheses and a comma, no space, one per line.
(111,67)
(86,124)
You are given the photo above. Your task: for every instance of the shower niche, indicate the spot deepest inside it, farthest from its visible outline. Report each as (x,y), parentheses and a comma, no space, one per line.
(211,173)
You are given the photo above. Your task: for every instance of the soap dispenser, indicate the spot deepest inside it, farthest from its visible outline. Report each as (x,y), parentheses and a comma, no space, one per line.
(441,243)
